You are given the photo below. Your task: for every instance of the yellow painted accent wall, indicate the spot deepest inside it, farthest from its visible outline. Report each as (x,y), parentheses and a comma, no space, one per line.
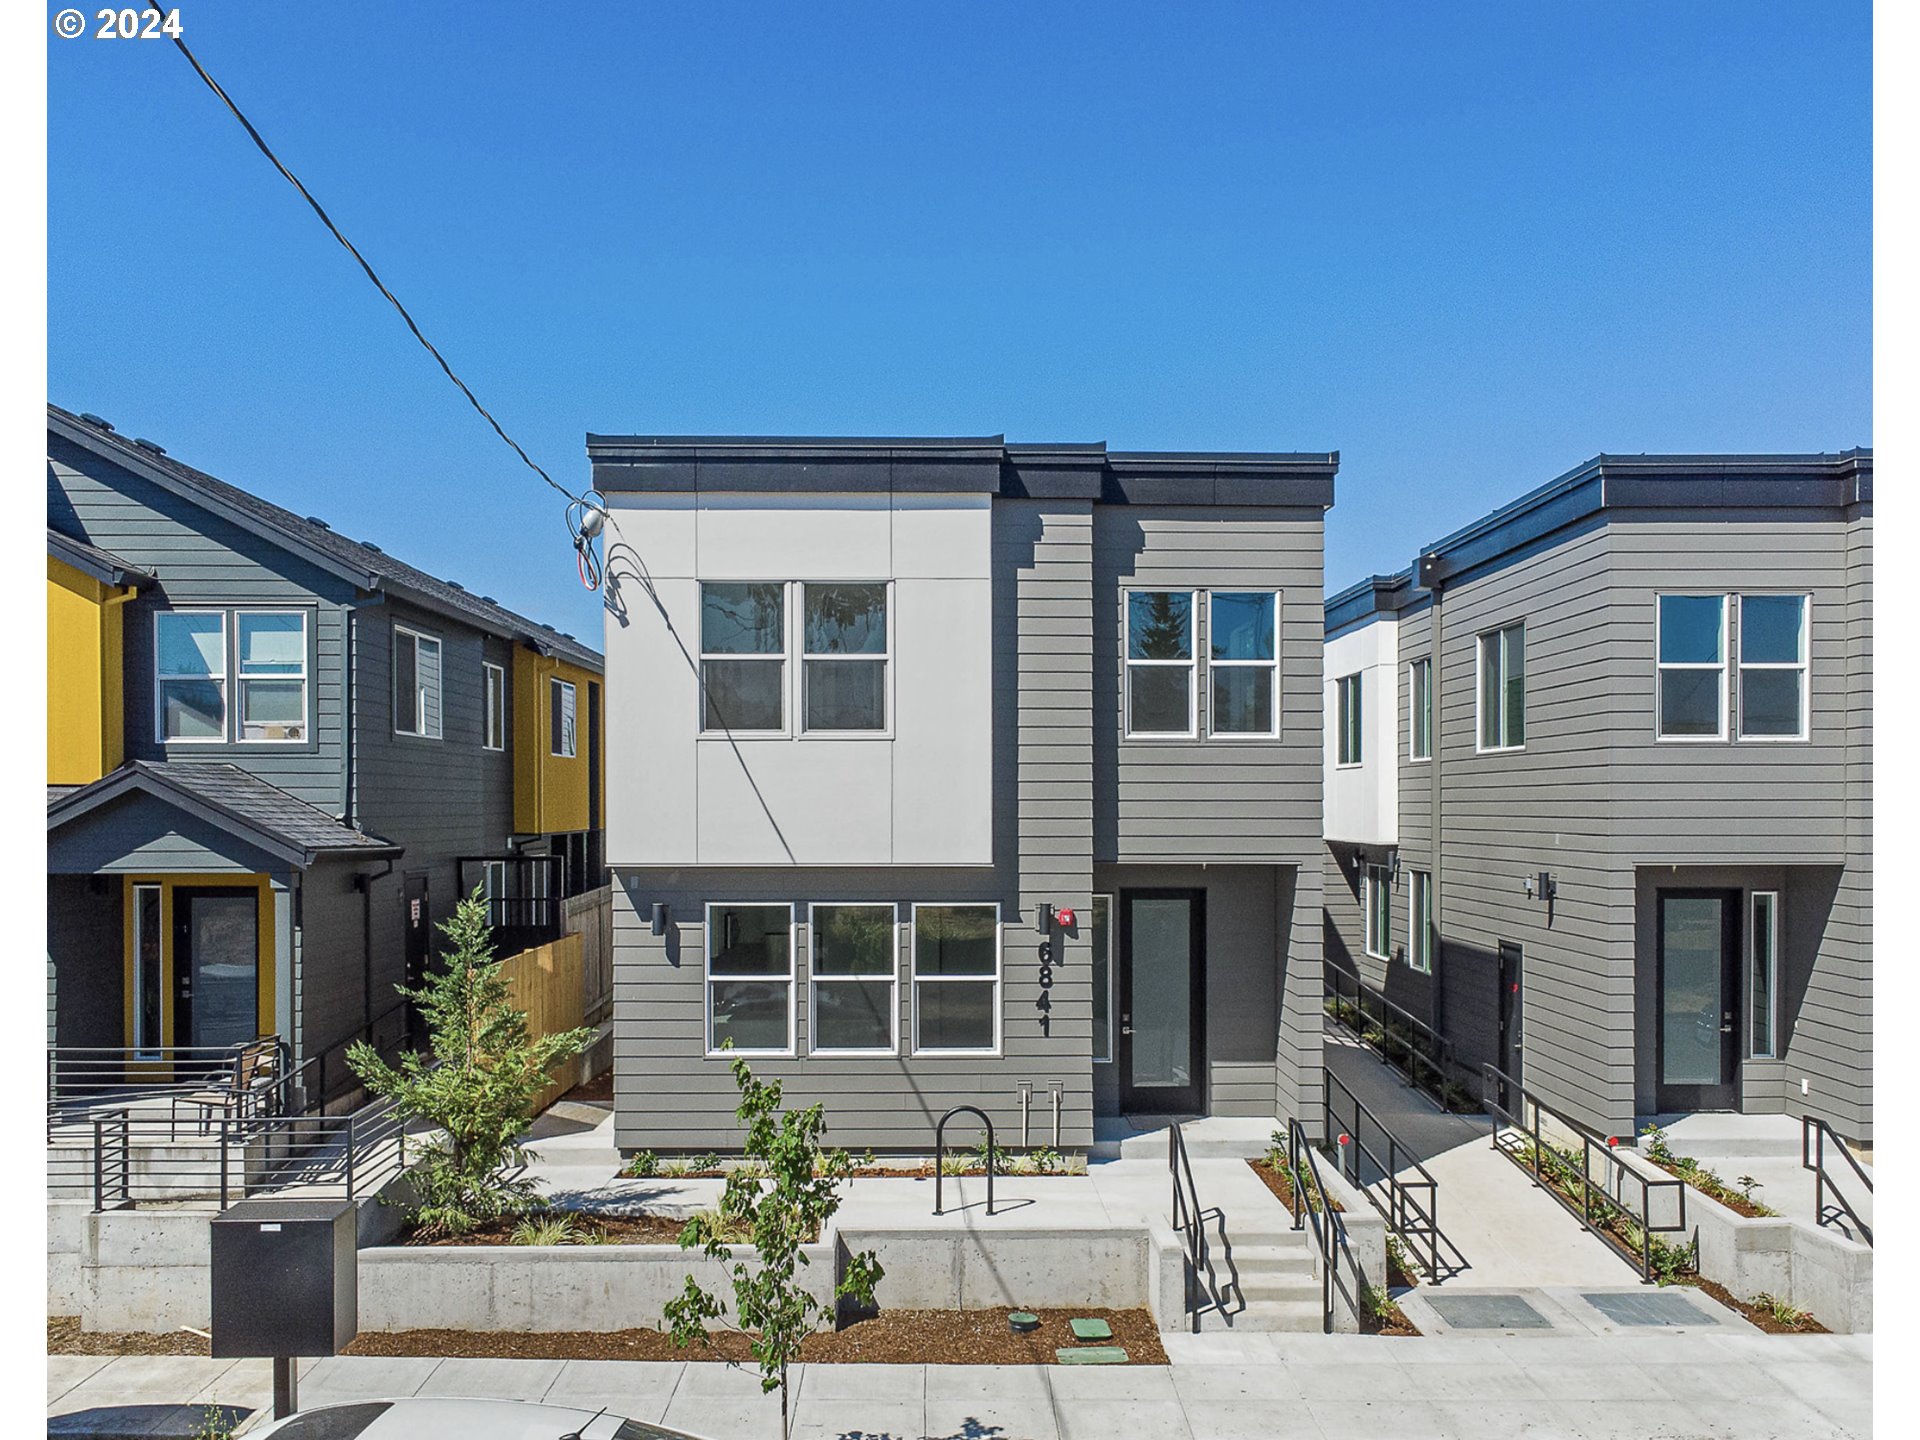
(549,791)
(84,659)
(168,883)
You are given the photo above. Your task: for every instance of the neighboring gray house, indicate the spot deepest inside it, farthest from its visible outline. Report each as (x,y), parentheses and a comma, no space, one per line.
(880,708)
(270,751)
(1635,705)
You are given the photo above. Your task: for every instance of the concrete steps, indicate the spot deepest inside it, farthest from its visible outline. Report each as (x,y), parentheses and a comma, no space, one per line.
(1263,1281)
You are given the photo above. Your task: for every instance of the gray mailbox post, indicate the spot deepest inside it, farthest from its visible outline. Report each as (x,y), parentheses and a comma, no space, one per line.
(285,1284)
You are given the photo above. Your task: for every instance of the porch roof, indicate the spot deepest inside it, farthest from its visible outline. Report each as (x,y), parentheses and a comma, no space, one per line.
(230,799)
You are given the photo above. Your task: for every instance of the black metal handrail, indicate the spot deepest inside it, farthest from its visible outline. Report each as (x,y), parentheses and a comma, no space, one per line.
(1414,1218)
(1313,1208)
(1813,1156)
(1187,1220)
(1513,1110)
(83,1078)
(1433,1068)
(940,1153)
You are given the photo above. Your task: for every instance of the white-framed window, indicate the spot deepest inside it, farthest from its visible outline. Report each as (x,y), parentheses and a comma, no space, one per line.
(1420,921)
(1420,710)
(496,686)
(844,651)
(855,964)
(1503,688)
(494,878)
(1348,720)
(1690,648)
(1161,698)
(1763,978)
(416,683)
(743,657)
(190,676)
(149,1032)
(750,979)
(1774,647)
(1244,663)
(1379,898)
(1102,936)
(562,736)
(271,656)
(956,979)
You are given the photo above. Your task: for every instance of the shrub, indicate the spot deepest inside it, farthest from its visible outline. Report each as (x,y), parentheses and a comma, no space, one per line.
(1045,1160)
(1783,1312)
(560,1229)
(644,1165)
(991,1156)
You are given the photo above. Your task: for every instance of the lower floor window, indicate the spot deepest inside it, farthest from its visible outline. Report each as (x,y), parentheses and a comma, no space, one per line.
(956,977)
(1766,953)
(1420,922)
(750,978)
(853,960)
(1379,902)
(1102,977)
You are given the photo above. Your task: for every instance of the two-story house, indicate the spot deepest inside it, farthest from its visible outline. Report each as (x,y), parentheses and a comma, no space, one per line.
(276,757)
(951,772)
(1598,772)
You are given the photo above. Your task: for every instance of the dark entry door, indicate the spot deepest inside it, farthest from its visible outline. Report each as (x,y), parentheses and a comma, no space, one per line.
(1162,1001)
(417,918)
(1699,1032)
(216,966)
(1512,999)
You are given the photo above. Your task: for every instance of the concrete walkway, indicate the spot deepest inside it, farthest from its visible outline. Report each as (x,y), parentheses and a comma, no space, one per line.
(1767,1149)
(1501,1231)
(1738,1387)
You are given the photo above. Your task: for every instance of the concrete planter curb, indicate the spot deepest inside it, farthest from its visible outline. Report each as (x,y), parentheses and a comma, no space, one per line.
(1365,1264)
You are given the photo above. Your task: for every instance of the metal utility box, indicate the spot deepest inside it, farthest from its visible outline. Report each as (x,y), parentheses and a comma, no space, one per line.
(285,1278)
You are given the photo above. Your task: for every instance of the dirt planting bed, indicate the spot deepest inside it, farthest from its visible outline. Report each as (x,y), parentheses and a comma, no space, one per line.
(587,1229)
(1280,1183)
(65,1337)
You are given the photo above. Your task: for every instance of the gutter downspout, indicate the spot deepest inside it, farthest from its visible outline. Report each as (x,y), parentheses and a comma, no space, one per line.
(1436,853)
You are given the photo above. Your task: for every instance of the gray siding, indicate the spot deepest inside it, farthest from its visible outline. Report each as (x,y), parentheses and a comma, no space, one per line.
(85,955)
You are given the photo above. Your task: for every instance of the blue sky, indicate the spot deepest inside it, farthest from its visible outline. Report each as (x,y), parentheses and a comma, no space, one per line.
(1467,246)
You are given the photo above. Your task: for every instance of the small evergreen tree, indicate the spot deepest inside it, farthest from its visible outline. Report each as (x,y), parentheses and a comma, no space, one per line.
(800,1195)
(478,1086)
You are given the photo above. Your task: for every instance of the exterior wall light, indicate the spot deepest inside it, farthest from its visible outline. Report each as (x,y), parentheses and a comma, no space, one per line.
(659,917)
(1542,886)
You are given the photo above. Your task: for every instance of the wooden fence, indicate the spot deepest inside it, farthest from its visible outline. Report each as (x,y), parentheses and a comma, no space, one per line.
(546,983)
(590,917)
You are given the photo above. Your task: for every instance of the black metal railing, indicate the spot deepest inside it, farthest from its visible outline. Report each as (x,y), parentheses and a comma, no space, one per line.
(1313,1209)
(1814,1133)
(1406,1042)
(85,1078)
(1517,1112)
(1412,1202)
(1189,1222)
(940,1153)
(524,895)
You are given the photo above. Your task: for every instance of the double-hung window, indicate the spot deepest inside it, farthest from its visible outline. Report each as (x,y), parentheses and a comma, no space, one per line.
(844,656)
(190,674)
(750,979)
(1420,709)
(1503,688)
(854,965)
(1244,662)
(562,738)
(1773,667)
(1420,921)
(1764,967)
(496,686)
(272,655)
(1348,720)
(956,978)
(1160,663)
(416,683)
(743,657)
(1102,978)
(1379,911)
(1692,678)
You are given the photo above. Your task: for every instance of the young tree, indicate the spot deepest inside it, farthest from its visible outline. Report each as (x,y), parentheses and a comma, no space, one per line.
(478,1085)
(800,1195)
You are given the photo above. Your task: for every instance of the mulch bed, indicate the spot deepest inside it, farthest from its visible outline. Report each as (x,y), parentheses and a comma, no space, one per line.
(893,1337)
(1393,1324)
(1726,1194)
(65,1337)
(606,1229)
(1757,1315)
(597,1091)
(1281,1184)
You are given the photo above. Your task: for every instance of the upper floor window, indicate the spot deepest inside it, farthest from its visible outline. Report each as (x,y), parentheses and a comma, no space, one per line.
(1420,710)
(416,683)
(1692,667)
(190,674)
(561,720)
(267,667)
(1160,663)
(743,657)
(844,657)
(1503,688)
(272,674)
(1379,911)
(1347,720)
(496,684)
(1773,667)
(1244,662)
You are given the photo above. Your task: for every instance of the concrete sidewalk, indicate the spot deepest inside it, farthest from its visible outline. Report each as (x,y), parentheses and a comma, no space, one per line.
(1740,1387)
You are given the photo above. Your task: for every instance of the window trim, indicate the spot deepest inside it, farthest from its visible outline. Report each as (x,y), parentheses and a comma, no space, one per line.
(238,705)
(1376,870)
(1358,716)
(892,982)
(999,975)
(494,712)
(1804,665)
(1191,664)
(1113,1029)
(555,687)
(800,728)
(1420,935)
(707,980)
(787,727)
(1419,709)
(1772,897)
(1724,666)
(1499,633)
(1272,732)
(440,709)
(224,679)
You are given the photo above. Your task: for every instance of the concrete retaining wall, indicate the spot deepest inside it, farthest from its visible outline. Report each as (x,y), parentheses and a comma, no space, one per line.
(1364,1263)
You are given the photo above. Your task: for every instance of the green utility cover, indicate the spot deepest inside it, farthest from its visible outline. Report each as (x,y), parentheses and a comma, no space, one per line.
(1092,1355)
(1023,1320)
(1092,1330)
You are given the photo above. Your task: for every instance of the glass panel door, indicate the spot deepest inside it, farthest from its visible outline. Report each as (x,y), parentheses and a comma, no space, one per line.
(217,965)
(1699,986)
(1162,1001)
